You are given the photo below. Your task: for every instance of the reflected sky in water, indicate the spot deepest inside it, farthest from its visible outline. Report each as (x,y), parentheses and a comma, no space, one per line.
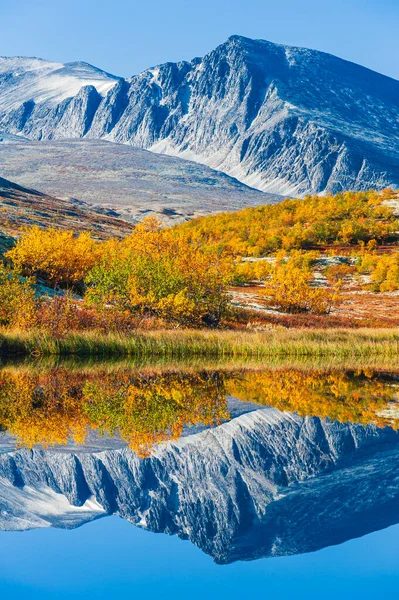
(109,558)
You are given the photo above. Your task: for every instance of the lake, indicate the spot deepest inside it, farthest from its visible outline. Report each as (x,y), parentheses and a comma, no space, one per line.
(184,480)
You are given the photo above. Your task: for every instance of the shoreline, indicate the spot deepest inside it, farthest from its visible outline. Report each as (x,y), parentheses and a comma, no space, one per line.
(179,344)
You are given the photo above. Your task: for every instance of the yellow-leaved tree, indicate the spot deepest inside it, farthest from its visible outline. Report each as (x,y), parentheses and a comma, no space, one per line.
(60,257)
(153,271)
(291,288)
(17,299)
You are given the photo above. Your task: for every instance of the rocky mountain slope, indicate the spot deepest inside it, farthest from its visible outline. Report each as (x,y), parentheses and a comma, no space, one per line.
(264,484)
(29,86)
(281,119)
(132,181)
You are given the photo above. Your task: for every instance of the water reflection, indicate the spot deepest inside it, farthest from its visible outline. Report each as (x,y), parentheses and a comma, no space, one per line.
(259,462)
(49,407)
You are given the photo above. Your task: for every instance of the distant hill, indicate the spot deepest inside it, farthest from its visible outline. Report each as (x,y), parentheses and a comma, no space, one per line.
(21,207)
(134,182)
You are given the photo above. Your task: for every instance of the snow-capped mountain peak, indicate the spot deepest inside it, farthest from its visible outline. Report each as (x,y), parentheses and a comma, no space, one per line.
(264,484)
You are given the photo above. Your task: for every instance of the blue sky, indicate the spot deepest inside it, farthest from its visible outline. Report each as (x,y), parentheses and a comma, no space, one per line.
(126,36)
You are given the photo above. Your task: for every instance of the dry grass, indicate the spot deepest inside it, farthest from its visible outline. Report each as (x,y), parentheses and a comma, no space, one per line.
(180,344)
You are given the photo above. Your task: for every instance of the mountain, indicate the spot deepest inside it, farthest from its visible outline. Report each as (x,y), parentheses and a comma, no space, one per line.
(132,181)
(30,86)
(22,207)
(284,120)
(264,484)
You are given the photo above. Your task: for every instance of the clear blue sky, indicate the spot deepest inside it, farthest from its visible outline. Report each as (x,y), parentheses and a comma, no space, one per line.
(126,36)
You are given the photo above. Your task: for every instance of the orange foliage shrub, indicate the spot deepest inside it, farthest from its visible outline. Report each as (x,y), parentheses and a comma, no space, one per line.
(153,271)
(17,299)
(58,256)
(290,288)
(382,269)
(339,274)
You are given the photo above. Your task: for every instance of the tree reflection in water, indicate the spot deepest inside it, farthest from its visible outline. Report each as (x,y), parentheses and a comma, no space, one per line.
(49,407)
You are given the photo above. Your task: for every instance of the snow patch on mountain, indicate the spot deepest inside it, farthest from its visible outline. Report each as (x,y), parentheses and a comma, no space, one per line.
(40,81)
(41,506)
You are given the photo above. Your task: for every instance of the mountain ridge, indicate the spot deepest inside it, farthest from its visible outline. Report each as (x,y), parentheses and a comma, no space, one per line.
(279,118)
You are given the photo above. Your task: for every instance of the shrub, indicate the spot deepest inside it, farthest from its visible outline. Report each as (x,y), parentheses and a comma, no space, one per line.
(17,299)
(289,289)
(154,272)
(382,269)
(58,256)
(246,271)
(60,315)
(339,274)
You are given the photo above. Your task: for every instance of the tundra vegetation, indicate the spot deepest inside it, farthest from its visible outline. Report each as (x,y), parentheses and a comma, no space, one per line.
(302,256)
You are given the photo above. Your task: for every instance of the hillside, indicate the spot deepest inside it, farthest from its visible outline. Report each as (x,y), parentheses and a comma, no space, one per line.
(132,181)
(312,223)
(339,250)
(316,262)
(282,119)
(21,207)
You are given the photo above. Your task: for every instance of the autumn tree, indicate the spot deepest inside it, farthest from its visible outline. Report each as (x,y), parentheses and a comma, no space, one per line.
(339,274)
(155,272)
(17,299)
(59,257)
(290,288)
(382,269)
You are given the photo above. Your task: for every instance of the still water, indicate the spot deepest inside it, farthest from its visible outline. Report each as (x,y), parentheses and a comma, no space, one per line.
(183,483)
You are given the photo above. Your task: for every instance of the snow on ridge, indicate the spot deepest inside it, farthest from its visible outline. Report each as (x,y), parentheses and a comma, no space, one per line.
(32,507)
(304,121)
(37,80)
(22,64)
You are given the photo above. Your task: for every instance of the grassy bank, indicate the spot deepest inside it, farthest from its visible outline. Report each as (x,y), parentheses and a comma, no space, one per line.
(182,344)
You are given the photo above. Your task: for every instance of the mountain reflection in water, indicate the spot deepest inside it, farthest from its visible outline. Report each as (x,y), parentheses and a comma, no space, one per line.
(244,463)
